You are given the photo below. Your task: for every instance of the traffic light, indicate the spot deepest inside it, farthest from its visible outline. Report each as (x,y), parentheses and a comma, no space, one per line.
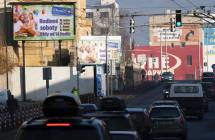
(106,69)
(178,22)
(132,24)
(172,24)
(81,68)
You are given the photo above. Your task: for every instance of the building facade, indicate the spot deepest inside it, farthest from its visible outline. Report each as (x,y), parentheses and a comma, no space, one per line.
(105,18)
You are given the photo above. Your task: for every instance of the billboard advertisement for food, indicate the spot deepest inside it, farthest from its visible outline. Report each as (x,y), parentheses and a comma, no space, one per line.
(43,22)
(92,49)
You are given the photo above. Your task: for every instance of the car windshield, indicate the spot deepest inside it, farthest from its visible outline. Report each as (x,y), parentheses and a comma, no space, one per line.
(117,123)
(122,137)
(186,89)
(56,133)
(164,112)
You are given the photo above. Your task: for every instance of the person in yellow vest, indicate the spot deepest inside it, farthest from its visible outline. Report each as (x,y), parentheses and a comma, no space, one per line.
(75,91)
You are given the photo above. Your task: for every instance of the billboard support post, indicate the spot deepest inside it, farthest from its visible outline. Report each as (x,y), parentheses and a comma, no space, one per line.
(23,72)
(60,55)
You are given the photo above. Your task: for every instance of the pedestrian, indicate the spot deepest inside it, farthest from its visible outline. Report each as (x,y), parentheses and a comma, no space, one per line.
(12,105)
(75,91)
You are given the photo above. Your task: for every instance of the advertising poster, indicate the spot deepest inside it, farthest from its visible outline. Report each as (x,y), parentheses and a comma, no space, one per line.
(100,89)
(92,49)
(43,22)
(209,36)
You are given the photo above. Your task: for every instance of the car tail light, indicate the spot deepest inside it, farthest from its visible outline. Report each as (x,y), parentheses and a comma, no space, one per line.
(58,124)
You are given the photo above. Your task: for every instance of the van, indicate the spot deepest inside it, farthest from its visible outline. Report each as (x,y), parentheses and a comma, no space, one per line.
(190,97)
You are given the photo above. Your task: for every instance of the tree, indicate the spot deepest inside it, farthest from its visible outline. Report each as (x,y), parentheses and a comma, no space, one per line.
(6,63)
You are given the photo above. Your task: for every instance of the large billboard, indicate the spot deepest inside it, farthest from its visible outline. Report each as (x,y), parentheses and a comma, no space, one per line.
(43,21)
(92,49)
(188,34)
(209,36)
(209,49)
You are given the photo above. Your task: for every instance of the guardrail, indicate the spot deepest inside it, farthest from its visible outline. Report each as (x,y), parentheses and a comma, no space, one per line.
(26,111)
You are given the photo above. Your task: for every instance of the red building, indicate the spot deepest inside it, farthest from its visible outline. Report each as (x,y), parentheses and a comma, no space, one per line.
(185,62)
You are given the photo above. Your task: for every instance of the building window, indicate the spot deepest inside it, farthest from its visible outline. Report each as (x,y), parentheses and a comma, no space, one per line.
(189,60)
(89,15)
(103,31)
(104,14)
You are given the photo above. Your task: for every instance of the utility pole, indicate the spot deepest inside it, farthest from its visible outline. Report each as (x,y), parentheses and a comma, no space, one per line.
(5,38)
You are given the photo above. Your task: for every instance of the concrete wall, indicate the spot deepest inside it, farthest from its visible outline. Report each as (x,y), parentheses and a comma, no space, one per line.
(63,79)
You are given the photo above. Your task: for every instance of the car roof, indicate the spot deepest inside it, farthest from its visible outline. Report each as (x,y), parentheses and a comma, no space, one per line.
(165,106)
(107,114)
(187,84)
(135,109)
(165,101)
(124,132)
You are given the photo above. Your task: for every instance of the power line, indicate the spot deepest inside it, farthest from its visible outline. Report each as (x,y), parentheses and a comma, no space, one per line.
(192,3)
(179,5)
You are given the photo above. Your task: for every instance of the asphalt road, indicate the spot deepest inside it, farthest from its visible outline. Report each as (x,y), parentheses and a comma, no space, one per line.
(197,130)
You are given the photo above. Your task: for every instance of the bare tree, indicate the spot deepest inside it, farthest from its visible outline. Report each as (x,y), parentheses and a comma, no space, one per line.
(6,63)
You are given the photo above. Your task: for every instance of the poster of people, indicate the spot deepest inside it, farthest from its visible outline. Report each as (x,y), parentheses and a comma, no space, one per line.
(92,49)
(43,22)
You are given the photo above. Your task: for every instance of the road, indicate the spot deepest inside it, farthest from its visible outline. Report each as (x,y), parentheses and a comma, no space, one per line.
(197,130)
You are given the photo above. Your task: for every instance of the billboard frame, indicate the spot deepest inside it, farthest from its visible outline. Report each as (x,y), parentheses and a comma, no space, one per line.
(48,3)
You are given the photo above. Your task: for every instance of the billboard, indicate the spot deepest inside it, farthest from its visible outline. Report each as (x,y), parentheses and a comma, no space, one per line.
(92,49)
(43,22)
(187,34)
(209,36)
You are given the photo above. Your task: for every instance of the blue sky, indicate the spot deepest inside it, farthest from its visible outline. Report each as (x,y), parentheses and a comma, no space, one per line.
(155,6)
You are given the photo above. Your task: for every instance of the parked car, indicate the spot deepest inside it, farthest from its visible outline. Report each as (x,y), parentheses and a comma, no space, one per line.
(190,96)
(122,135)
(141,121)
(167,121)
(61,121)
(167,76)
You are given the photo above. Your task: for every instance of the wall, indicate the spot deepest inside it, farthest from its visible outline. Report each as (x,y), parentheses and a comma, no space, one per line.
(190,33)
(63,80)
(149,59)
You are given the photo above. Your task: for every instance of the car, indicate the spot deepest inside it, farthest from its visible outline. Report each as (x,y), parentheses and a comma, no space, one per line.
(190,97)
(141,121)
(88,108)
(167,121)
(165,102)
(167,76)
(115,121)
(122,135)
(208,74)
(112,110)
(62,121)
(209,89)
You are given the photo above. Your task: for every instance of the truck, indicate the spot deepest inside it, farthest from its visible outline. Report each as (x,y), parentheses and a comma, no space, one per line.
(190,97)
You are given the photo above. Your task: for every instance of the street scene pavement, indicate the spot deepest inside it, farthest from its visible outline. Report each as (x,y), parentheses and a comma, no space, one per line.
(197,129)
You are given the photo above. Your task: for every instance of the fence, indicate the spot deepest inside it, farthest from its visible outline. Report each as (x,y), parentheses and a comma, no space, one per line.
(29,110)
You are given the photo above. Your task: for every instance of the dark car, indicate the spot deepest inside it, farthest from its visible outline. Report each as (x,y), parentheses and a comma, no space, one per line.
(61,121)
(209,89)
(124,135)
(208,74)
(88,108)
(115,121)
(167,121)
(167,76)
(141,121)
